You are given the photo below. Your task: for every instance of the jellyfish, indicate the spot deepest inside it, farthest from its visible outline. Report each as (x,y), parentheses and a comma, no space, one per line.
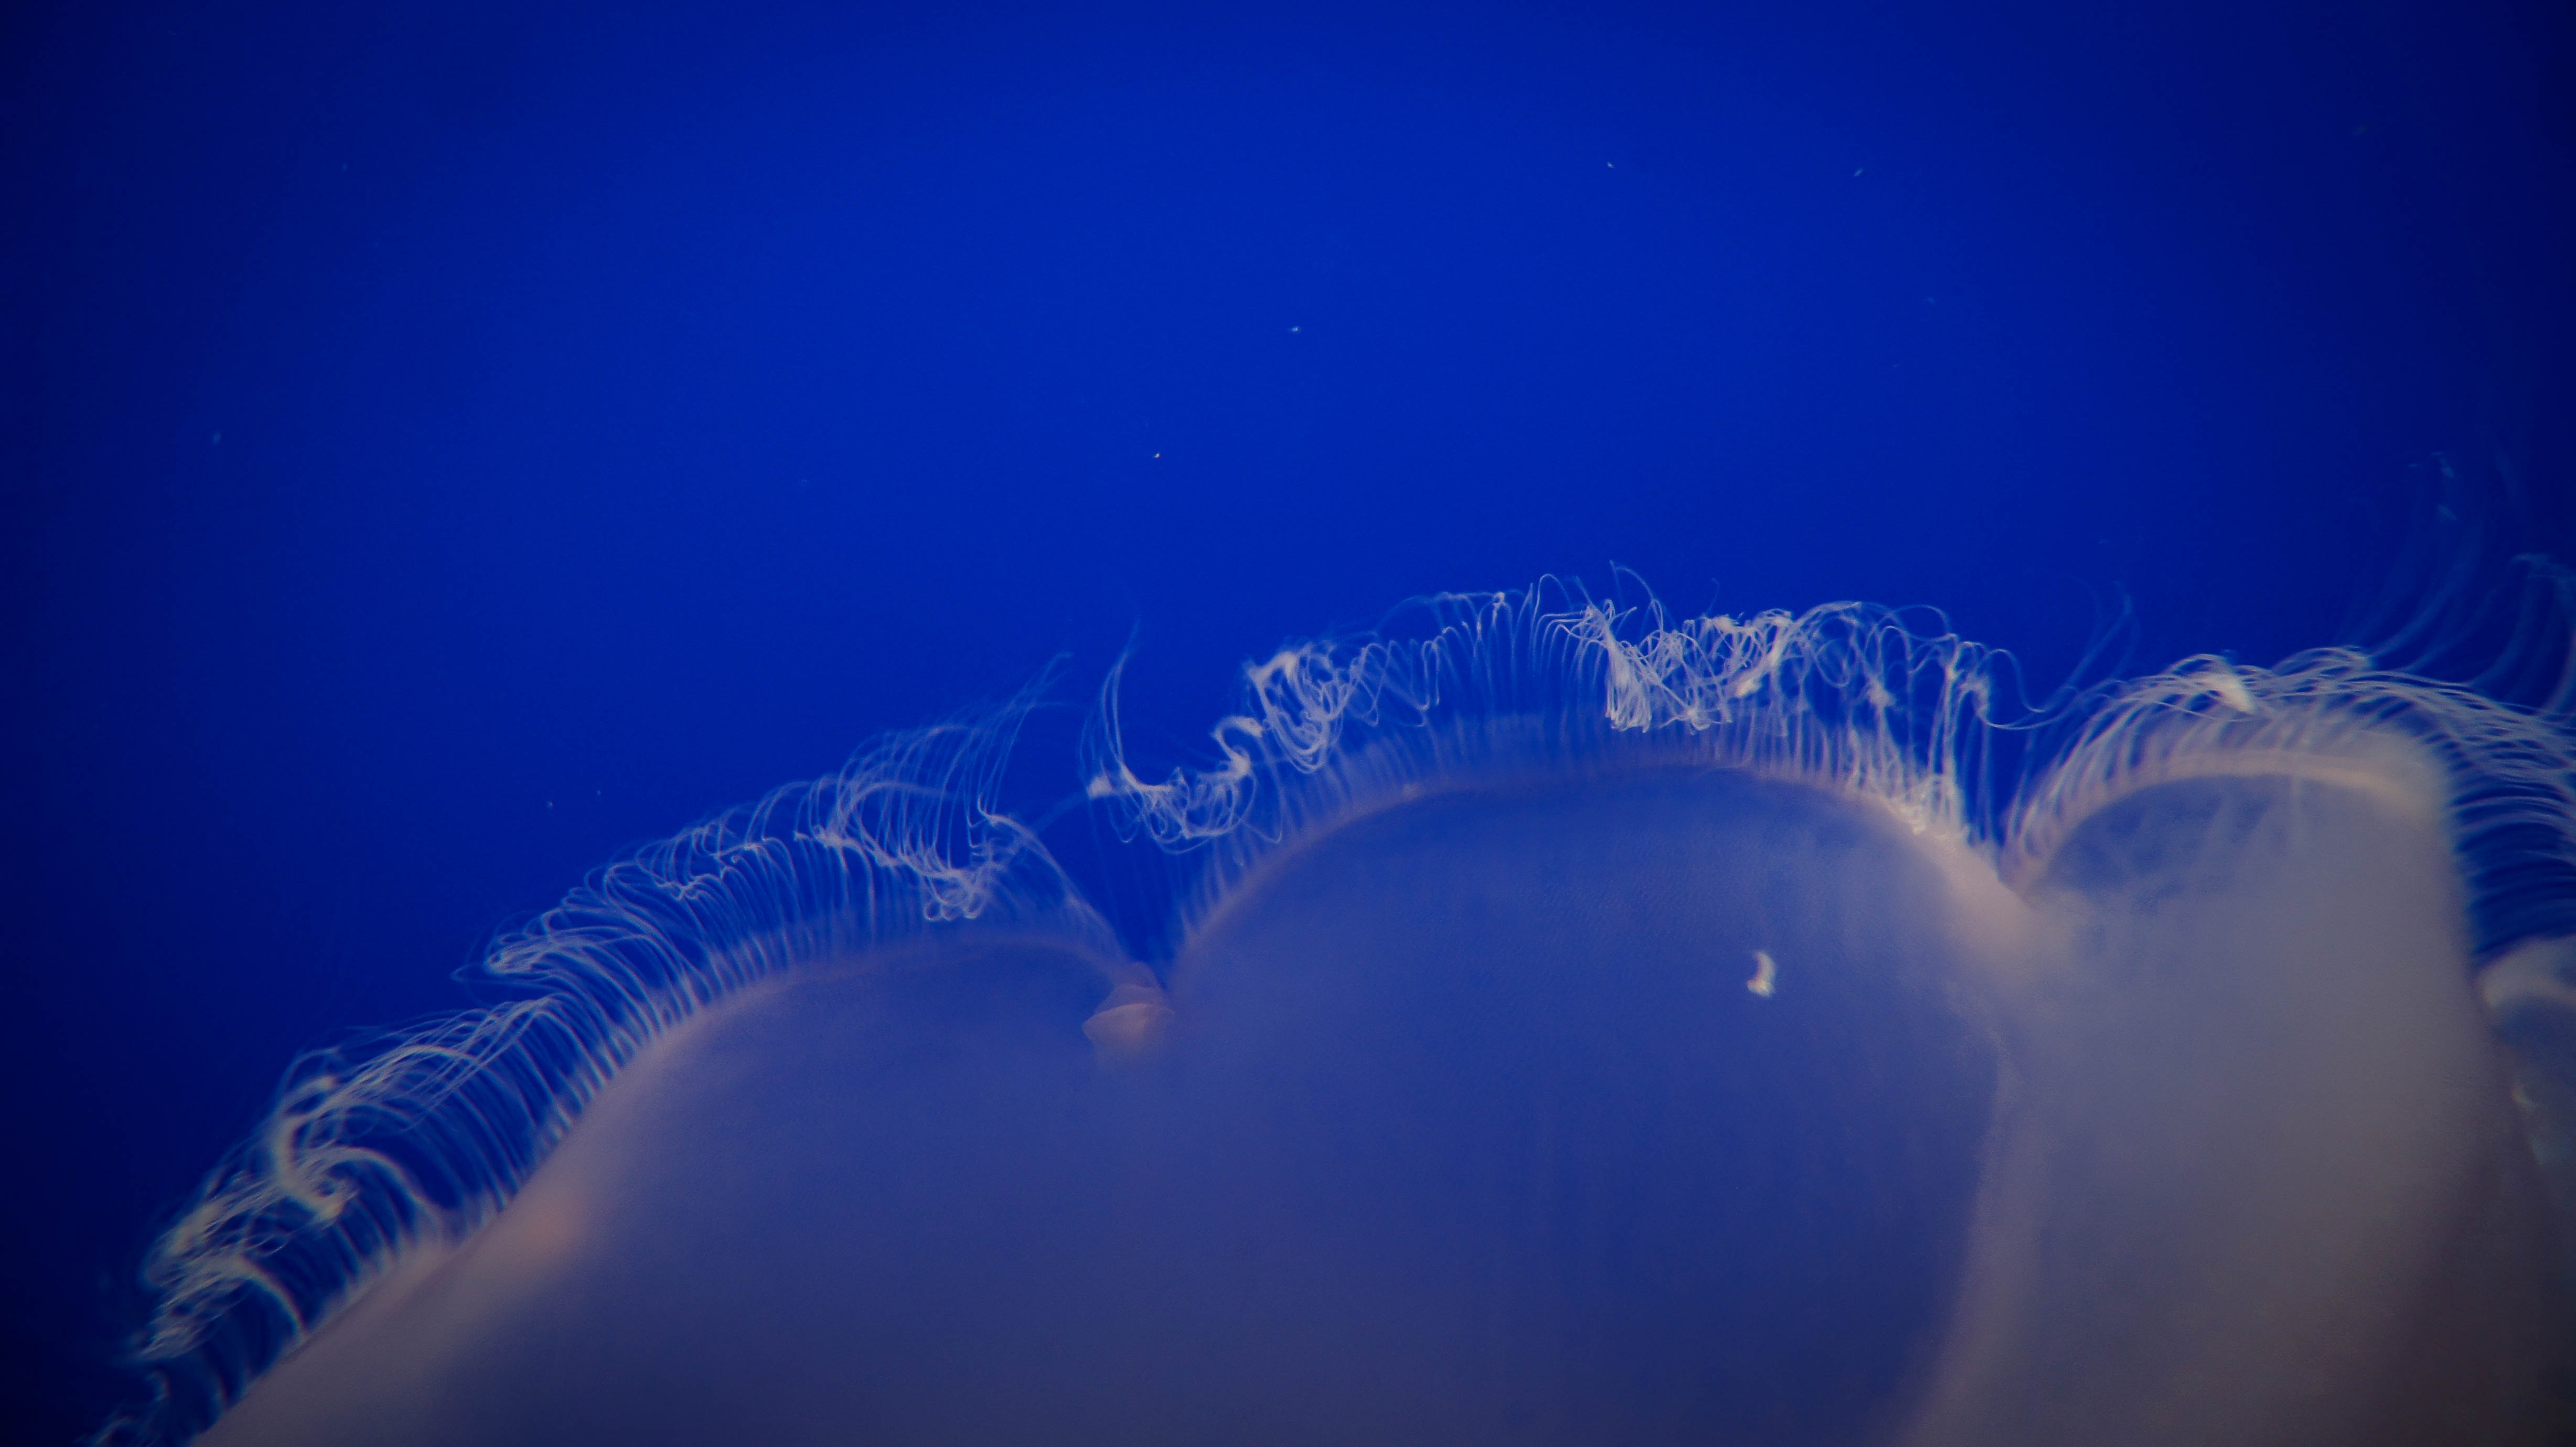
(1573,1023)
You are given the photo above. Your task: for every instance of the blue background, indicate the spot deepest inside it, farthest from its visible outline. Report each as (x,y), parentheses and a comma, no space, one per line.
(445,444)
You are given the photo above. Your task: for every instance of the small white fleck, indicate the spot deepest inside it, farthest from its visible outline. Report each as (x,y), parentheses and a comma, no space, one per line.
(1766,974)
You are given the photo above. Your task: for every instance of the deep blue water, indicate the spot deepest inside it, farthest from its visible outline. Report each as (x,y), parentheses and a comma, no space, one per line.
(444,445)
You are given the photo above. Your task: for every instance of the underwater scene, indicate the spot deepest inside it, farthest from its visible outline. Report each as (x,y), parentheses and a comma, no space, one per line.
(1481,723)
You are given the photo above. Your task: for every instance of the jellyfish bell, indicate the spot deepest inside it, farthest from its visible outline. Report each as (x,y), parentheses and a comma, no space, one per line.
(1579,1025)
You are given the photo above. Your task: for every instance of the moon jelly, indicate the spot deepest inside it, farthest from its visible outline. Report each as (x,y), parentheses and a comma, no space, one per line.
(1576,1025)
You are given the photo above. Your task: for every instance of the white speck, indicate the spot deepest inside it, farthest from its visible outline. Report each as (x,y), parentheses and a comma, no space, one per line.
(1766,974)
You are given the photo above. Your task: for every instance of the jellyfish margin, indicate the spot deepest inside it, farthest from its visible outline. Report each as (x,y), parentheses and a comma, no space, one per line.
(376,1153)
